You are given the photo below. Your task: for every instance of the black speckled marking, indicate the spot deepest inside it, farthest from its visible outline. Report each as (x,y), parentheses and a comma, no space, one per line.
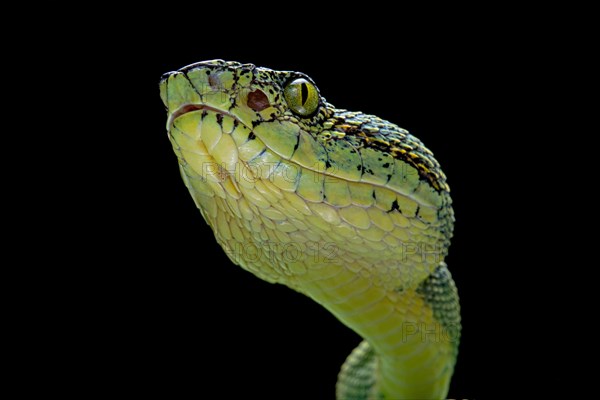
(439,291)
(233,103)
(358,374)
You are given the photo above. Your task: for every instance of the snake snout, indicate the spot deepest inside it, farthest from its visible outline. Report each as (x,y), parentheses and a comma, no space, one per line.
(165,76)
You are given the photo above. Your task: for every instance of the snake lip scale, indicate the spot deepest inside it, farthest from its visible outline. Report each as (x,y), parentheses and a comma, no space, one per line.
(343,207)
(187,108)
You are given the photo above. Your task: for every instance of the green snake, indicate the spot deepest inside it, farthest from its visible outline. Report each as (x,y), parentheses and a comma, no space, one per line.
(344,207)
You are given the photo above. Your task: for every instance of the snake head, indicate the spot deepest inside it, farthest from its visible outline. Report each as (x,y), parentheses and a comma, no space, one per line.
(251,94)
(281,111)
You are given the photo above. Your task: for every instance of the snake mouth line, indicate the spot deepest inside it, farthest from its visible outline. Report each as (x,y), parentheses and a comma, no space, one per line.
(188,108)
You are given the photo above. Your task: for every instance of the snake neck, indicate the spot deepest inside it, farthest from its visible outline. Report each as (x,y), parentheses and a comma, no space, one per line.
(369,278)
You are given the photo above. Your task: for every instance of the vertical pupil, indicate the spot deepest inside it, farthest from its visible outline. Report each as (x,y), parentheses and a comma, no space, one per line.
(304,92)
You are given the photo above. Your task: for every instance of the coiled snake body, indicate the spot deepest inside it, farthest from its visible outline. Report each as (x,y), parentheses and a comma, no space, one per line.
(344,207)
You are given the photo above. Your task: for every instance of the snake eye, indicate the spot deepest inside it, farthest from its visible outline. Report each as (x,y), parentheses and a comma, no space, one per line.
(302,97)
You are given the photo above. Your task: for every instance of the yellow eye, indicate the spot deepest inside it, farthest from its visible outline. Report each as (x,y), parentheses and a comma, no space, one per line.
(302,97)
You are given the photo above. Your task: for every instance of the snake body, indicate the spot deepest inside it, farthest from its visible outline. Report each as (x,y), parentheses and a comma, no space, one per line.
(344,207)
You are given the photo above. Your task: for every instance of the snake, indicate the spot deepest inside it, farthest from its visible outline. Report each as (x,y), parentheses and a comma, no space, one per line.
(344,207)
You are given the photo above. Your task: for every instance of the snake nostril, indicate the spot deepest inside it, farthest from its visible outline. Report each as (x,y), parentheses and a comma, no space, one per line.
(257,100)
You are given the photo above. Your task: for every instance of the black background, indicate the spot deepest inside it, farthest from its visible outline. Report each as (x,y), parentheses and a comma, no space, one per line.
(175,314)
